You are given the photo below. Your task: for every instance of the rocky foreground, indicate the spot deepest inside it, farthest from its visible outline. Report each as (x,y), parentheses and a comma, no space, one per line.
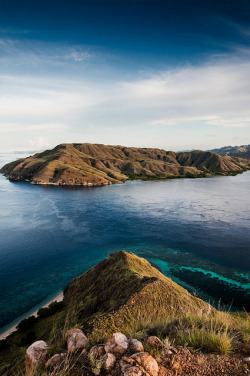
(123,317)
(122,356)
(96,164)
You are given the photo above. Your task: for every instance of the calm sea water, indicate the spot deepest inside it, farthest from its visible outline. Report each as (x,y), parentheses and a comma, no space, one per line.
(197,231)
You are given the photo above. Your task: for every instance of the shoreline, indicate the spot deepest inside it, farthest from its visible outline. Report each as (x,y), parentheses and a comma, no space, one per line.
(11,327)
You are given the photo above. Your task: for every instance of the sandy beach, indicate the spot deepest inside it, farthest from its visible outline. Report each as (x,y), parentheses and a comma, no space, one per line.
(44,304)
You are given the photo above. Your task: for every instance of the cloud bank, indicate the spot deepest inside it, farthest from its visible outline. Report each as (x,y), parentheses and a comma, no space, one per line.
(212,96)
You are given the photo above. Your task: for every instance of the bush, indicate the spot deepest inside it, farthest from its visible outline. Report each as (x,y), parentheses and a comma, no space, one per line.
(50,310)
(3,344)
(28,338)
(26,324)
(208,341)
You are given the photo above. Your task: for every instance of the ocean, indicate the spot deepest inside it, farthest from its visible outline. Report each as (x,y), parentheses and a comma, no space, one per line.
(196,231)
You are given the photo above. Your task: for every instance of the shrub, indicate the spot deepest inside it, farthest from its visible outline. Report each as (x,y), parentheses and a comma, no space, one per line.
(207,341)
(26,324)
(50,310)
(28,338)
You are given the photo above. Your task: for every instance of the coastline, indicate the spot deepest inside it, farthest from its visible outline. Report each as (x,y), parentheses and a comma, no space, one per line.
(10,328)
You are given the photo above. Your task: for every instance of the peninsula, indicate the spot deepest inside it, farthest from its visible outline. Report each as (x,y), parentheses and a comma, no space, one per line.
(96,164)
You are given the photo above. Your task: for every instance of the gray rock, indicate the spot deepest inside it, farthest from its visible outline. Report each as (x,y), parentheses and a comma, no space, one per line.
(76,340)
(35,355)
(56,360)
(154,341)
(109,361)
(139,364)
(117,344)
(135,346)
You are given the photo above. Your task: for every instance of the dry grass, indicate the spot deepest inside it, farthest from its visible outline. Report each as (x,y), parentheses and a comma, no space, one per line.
(151,304)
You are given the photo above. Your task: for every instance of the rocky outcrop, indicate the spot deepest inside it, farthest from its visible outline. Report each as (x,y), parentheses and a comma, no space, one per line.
(171,360)
(126,357)
(96,164)
(35,355)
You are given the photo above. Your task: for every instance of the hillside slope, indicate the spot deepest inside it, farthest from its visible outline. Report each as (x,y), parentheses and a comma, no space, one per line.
(125,293)
(124,288)
(121,293)
(242,151)
(96,164)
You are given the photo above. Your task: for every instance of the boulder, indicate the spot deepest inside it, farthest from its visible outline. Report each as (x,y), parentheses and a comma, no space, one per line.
(154,341)
(135,346)
(76,340)
(139,364)
(97,351)
(117,344)
(108,362)
(35,355)
(56,360)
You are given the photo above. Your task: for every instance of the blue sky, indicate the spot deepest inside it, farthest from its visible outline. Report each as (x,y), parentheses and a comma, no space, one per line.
(168,74)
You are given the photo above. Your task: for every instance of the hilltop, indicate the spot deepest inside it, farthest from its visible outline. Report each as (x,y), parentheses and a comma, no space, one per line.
(242,151)
(125,293)
(97,164)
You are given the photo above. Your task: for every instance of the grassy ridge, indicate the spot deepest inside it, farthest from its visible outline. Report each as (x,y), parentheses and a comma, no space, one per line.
(125,293)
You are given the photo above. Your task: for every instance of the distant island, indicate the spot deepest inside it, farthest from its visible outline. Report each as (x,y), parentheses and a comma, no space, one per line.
(242,151)
(96,164)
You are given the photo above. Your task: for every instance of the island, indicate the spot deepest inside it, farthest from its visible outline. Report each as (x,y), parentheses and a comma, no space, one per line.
(96,164)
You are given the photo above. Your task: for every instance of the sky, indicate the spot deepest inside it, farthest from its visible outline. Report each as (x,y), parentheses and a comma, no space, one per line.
(172,74)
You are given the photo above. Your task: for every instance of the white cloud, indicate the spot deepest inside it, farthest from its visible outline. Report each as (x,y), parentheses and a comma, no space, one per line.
(39,143)
(215,95)
(46,127)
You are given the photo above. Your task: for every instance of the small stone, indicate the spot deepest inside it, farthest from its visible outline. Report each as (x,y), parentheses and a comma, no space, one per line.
(108,362)
(135,346)
(117,344)
(35,355)
(56,360)
(76,340)
(154,341)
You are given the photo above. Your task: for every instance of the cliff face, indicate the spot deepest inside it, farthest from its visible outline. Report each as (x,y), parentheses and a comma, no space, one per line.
(96,164)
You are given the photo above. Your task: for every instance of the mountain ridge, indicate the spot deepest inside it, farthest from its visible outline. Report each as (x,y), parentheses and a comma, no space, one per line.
(97,164)
(242,151)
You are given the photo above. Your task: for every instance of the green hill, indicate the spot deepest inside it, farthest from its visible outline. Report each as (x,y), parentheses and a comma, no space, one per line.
(96,164)
(123,293)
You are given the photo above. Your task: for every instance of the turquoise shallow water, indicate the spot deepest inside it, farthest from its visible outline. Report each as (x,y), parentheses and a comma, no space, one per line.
(197,231)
